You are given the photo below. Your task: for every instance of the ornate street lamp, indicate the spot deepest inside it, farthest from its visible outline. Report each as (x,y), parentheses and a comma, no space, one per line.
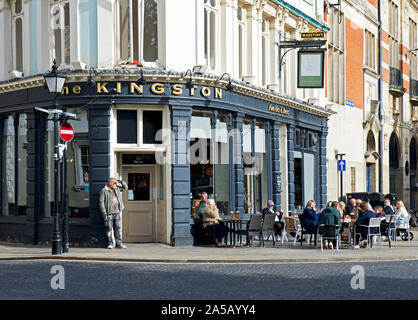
(55,83)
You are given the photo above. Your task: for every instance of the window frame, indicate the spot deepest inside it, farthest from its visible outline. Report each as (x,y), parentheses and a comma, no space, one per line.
(208,40)
(131,35)
(62,4)
(139,144)
(15,17)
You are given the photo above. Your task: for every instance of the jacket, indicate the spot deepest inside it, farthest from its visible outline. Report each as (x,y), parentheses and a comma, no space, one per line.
(401,219)
(364,220)
(309,220)
(105,199)
(330,215)
(210,215)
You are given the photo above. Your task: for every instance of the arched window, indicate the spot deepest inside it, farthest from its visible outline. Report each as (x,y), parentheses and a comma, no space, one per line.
(371,145)
(393,151)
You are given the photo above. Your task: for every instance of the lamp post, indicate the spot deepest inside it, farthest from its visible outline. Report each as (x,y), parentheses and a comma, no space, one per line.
(55,83)
(340,169)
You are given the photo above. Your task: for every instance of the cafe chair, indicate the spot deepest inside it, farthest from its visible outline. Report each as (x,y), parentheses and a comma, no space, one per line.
(329,232)
(291,224)
(374,224)
(268,228)
(306,232)
(254,228)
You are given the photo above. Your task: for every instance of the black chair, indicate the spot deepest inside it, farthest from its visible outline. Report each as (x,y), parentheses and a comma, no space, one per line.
(268,228)
(252,228)
(328,232)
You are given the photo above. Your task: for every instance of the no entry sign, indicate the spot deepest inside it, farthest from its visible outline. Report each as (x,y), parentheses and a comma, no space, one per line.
(66,132)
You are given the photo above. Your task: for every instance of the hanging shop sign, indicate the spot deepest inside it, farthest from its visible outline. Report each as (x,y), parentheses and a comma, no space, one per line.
(310,69)
(312,34)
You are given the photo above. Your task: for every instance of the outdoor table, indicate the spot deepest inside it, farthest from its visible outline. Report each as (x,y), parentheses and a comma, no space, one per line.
(350,223)
(234,225)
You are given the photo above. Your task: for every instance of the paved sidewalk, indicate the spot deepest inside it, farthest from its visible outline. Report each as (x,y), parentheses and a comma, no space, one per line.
(156,252)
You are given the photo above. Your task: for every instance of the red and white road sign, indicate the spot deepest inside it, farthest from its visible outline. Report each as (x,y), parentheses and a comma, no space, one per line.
(66,132)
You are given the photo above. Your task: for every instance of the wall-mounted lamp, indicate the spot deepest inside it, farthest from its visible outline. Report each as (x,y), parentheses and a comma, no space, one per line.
(200,69)
(190,83)
(229,86)
(90,81)
(248,79)
(272,87)
(142,79)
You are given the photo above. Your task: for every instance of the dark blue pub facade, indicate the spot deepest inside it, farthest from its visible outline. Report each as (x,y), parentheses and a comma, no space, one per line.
(169,139)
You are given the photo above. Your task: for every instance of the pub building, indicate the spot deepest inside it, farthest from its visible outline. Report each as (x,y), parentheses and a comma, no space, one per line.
(169,137)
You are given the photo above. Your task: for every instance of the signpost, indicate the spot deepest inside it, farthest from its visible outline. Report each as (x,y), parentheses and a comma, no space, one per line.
(341,166)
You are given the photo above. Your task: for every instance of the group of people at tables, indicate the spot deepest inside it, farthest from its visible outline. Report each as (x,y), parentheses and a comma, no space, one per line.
(339,214)
(336,213)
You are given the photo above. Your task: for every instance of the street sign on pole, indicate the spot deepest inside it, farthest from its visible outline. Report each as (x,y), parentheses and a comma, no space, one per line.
(66,132)
(341,165)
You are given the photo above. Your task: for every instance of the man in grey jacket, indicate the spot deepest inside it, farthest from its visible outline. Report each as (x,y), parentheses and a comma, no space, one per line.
(111,206)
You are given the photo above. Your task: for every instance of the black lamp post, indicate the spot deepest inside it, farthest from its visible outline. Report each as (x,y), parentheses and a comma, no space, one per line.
(55,83)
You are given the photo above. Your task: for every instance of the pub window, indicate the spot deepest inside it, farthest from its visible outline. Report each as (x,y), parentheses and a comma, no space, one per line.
(248,167)
(127,126)
(8,166)
(136,31)
(210,29)
(17,36)
(260,166)
(14,165)
(77,166)
(152,124)
(60,16)
(201,157)
(222,164)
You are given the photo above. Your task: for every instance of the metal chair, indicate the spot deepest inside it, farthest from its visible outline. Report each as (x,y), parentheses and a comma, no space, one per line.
(373,223)
(291,224)
(268,227)
(328,232)
(254,227)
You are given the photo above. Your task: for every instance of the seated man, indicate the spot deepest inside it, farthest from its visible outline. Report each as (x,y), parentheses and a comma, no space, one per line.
(278,225)
(202,204)
(364,217)
(211,218)
(330,215)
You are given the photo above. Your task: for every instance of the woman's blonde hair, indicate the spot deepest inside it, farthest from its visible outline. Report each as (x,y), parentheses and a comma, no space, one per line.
(401,203)
(342,205)
(308,204)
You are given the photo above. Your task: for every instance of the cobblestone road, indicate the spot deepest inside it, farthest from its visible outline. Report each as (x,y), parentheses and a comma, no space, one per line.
(91,280)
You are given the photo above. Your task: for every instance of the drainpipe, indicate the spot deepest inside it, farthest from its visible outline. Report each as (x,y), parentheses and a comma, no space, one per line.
(379,46)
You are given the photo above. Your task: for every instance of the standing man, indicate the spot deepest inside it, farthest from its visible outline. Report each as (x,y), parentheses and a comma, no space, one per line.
(111,206)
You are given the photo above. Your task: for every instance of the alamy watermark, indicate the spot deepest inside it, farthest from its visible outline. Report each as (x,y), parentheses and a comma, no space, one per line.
(358,280)
(58,280)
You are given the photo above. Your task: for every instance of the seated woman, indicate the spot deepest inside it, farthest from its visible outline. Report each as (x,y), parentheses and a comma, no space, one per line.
(210,218)
(309,218)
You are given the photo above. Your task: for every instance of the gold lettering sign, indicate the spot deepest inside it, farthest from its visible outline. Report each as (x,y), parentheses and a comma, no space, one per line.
(157,88)
(279,109)
(176,89)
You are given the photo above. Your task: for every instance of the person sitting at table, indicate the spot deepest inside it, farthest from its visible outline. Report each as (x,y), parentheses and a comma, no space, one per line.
(278,225)
(211,218)
(379,212)
(309,218)
(363,220)
(330,215)
(341,209)
(202,204)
